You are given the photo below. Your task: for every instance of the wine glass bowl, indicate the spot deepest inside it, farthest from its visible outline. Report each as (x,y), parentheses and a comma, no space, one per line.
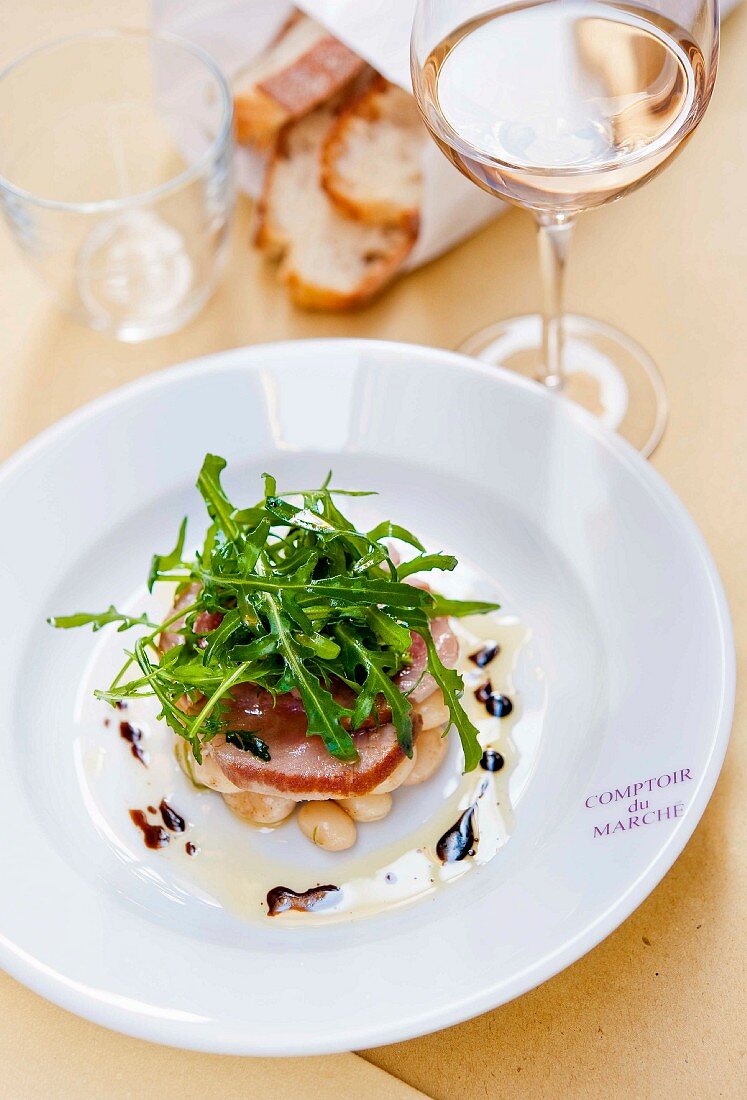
(560,106)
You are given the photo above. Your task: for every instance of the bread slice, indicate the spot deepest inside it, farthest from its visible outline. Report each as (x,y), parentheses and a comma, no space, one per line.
(381,127)
(327,260)
(304,67)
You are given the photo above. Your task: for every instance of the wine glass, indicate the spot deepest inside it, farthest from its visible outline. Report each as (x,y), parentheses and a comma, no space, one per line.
(560,106)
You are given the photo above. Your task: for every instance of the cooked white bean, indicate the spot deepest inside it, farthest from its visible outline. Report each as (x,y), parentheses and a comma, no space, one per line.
(433,711)
(367,807)
(398,776)
(327,825)
(431,749)
(260,809)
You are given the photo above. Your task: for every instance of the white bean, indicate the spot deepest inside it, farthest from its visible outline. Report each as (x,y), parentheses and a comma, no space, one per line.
(367,807)
(433,711)
(328,826)
(260,809)
(431,749)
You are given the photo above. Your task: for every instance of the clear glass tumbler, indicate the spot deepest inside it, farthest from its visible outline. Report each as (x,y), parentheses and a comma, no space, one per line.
(115,176)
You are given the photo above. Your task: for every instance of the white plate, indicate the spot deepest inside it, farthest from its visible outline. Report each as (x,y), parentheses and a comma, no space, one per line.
(630,676)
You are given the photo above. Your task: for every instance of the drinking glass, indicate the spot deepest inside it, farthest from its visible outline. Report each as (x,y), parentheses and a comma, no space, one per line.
(559,106)
(115,175)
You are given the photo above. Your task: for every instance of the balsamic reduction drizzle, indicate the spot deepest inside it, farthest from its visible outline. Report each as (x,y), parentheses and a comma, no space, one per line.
(460,840)
(491,761)
(171,819)
(280,899)
(485,655)
(190,848)
(154,836)
(483,693)
(134,735)
(499,706)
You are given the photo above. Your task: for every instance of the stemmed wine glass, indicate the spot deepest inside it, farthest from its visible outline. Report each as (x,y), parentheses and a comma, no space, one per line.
(560,106)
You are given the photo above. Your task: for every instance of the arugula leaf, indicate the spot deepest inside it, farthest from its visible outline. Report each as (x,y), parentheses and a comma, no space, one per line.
(161,563)
(424,562)
(253,544)
(363,590)
(218,505)
(298,517)
(388,630)
(459,608)
(101,618)
(374,557)
(264,646)
(387,530)
(222,634)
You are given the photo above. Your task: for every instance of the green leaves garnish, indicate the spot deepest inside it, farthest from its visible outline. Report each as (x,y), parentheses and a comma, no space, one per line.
(162,563)
(297,599)
(218,506)
(99,619)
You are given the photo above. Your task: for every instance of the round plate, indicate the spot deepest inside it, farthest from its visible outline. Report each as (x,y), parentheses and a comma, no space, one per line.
(631,649)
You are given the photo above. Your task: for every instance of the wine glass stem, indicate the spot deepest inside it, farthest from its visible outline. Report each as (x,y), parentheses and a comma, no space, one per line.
(555,232)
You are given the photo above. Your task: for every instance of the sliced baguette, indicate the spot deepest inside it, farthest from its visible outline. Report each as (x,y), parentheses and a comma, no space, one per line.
(304,67)
(327,260)
(380,128)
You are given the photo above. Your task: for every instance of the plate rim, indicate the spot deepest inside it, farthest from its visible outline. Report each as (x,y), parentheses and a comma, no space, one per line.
(84,1002)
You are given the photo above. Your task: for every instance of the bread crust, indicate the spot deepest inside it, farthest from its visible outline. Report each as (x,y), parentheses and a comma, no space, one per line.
(258,118)
(312,78)
(313,297)
(366,105)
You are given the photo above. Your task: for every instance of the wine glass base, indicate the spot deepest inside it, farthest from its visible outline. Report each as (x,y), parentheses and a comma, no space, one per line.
(606,372)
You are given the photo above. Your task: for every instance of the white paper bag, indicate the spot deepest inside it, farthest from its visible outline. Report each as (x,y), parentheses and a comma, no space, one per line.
(234,31)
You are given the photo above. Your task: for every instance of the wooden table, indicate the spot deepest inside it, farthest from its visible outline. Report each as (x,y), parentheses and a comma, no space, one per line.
(658,1008)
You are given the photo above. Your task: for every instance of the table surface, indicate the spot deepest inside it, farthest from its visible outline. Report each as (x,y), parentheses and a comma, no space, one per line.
(657,1008)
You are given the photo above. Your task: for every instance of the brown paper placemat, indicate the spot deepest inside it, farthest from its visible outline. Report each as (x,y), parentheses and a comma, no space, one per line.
(49,1054)
(669,264)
